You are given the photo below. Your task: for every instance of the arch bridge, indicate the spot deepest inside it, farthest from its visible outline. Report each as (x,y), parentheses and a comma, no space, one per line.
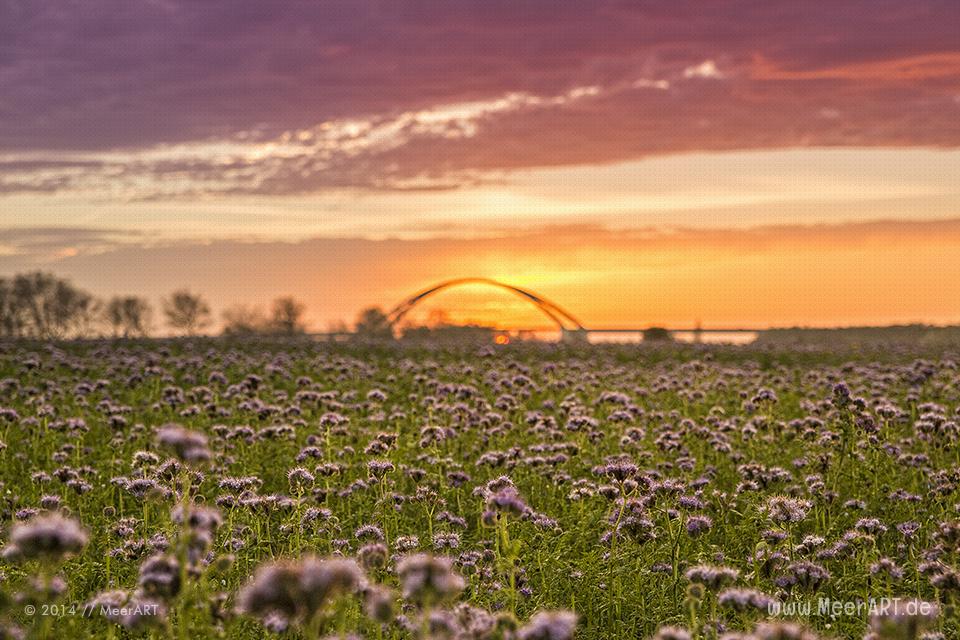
(571,330)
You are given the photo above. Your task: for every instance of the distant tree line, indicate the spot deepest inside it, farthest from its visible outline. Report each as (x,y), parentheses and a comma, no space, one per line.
(43,306)
(285,318)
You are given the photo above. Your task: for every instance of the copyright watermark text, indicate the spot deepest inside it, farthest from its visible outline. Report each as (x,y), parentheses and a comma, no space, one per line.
(827,608)
(88,610)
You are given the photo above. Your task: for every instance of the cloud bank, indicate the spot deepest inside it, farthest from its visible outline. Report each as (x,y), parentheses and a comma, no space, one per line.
(178,99)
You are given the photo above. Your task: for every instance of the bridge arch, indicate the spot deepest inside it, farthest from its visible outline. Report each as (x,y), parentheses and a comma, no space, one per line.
(567,324)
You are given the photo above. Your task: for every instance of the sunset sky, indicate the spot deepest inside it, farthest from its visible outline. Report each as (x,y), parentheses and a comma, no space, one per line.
(640,163)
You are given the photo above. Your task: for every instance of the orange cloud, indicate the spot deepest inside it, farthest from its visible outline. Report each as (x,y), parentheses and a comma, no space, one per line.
(921,67)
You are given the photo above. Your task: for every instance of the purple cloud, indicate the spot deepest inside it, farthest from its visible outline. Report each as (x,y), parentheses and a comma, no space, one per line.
(100,91)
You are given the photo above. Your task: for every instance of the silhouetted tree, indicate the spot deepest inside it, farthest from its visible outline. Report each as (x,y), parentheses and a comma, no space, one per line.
(11,315)
(186,312)
(243,320)
(373,323)
(128,316)
(287,314)
(87,321)
(41,305)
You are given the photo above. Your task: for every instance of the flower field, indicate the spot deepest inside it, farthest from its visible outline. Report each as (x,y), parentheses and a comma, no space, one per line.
(208,489)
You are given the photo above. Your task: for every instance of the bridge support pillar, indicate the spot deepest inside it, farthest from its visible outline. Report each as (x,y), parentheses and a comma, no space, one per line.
(573,336)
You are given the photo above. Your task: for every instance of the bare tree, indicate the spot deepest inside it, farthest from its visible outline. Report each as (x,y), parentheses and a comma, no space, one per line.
(41,305)
(11,315)
(186,312)
(287,316)
(373,323)
(86,322)
(128,316)
(243,320)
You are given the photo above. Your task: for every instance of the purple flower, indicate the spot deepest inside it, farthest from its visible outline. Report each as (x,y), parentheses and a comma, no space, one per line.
(427,579)
(903,618)
(784,509)
(698,525)
(49,537)
(287,592)
(745,599)
(712,577)
(507,501)
(549,625)
(189,446)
